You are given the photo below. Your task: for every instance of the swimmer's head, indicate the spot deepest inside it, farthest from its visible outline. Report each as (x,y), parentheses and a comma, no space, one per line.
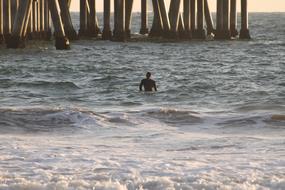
(148,74)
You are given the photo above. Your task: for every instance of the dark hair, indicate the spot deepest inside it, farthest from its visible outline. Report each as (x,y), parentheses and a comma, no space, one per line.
(148,74)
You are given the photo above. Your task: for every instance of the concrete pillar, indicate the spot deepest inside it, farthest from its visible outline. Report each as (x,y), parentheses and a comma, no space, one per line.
(93,26)
(42,18)
(47,21)
(219,20)
(226,24)
(223,29)
(38,10)
(83,18)
(32,22)
(244,32)
(30,25)
(201,33)
(66,19)
(16,39)
(183,34)
(174,13)
(157,24)
(26,23)
(107,33)
(233,18)
(187,19)
(14,9)
(208,18)
(1,22)
(119,21)
(38,19)
(7,18)
(61,41)
(186,14)
(144,17)
(35,20)
(165,18)
(129,8)
(193,16)
(115,15)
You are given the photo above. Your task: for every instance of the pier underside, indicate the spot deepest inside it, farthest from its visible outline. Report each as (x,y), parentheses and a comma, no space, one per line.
(22,20)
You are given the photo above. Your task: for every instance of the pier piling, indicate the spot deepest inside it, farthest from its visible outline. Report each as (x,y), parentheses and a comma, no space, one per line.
(47,33)
(233,18)
(61,41)
(222,26)
(34,20)
(38,18)
(107,33)
(26,24)
(66,19)
(129,8)
(193,17)
(165,19)
(83,18)
(22,20)
(17,38)
(119,21)
(93,25)
(14,9)
(219,20)
(183,34)
(157,24)
(244,32)
(1,22)
(200,33)
(68,3)
(187,19)
(208,18)
(42,19)
(226,26)
(144,17)
(7,19)
(30,26)
(174,18)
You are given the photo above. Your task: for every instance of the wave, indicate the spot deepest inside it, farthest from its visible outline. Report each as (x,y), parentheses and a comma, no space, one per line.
(198,179)
(7,83)
(222,120)
(260,107)
(30,120)
(255,121)
(174,116)
(48,84)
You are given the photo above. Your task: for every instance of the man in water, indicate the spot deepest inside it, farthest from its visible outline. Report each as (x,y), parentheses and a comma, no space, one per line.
(148,83)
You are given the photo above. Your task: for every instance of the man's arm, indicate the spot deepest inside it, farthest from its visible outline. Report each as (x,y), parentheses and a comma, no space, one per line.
(154,85)
(141,85)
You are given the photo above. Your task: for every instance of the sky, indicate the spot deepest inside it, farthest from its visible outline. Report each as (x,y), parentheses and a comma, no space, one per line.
(254,5)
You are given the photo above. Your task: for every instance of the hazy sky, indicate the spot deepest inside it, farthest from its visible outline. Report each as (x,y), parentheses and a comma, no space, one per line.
(254,5)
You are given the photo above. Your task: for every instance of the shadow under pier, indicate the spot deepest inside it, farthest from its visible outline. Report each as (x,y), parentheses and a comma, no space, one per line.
(23,20)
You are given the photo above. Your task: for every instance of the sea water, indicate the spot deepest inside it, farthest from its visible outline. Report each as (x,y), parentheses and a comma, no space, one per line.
(76,119)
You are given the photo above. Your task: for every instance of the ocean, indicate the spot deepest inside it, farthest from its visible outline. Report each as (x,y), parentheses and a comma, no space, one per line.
(76,119)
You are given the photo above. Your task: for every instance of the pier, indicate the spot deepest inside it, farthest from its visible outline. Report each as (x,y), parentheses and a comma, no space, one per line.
(24,20)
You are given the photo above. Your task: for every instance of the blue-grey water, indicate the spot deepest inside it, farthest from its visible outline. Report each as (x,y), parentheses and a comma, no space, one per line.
(76,119)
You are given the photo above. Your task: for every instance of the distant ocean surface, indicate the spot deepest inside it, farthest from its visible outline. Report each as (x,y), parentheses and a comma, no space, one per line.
(76,119)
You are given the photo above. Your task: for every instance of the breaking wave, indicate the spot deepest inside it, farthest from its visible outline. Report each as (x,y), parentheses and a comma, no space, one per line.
(44,120)
(68,120)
